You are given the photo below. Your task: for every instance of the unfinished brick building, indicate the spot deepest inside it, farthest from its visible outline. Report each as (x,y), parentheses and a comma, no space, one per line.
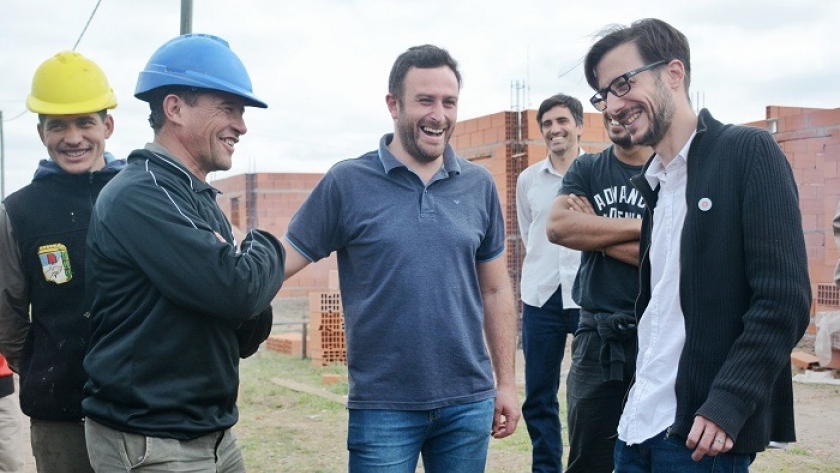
(810,138)
(507,142)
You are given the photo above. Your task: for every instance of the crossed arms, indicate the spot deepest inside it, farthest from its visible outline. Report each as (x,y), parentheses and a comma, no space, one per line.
(574,224)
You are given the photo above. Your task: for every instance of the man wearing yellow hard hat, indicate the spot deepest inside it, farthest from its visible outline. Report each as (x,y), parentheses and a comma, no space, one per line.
(43,227)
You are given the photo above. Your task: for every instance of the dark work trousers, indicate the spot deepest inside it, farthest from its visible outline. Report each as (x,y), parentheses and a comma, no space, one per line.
(594,405)
(544,331)
(59,447)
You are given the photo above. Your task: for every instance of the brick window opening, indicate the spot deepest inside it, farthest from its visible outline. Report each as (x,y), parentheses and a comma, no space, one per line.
(828,294)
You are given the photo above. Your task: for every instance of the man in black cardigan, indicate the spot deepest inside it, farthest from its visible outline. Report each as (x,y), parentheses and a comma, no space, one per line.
(724,293)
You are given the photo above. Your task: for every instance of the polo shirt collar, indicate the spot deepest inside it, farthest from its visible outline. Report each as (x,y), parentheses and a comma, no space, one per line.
(390,162)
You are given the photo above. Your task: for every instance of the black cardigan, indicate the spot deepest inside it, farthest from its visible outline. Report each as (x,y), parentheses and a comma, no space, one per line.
(744,287)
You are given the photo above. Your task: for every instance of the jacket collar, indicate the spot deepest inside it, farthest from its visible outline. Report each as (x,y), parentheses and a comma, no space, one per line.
(705,123)
(48,167)
(162,156)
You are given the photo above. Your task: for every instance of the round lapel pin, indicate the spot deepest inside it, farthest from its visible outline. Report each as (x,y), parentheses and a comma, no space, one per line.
(705,204)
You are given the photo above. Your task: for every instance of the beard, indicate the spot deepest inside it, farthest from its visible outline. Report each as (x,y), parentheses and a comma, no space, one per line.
(623,140)
(408,138)
(660,118)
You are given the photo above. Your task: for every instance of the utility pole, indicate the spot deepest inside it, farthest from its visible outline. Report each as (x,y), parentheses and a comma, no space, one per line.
(186,16)
(2,160)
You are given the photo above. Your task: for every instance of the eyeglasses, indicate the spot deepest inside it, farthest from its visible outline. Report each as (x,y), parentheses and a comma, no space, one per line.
(620,86)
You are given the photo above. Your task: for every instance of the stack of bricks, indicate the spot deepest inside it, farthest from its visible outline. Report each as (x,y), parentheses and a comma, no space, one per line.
(827,304)
(287,343)
(326,317)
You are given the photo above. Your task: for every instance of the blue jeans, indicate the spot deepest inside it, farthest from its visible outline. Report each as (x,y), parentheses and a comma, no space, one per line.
(667,453)
(544,331)
(452,438)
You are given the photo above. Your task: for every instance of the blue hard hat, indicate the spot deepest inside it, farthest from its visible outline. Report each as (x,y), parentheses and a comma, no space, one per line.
(196,60)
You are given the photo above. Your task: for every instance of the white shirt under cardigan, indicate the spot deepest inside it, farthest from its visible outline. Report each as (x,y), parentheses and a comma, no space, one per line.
(546,265)
(652,404)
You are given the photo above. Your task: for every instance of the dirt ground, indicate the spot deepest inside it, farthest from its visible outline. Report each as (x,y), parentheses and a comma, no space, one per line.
(817,422)
(817,411)
(817,418)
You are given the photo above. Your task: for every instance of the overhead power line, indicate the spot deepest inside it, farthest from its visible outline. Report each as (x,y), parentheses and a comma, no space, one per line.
(14,117)
(87,24)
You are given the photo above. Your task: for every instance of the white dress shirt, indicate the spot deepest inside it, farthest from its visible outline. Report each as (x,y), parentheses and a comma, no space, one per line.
(546,265)
(652,404)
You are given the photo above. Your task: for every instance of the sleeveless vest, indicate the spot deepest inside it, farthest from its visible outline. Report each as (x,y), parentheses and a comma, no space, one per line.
(50,218)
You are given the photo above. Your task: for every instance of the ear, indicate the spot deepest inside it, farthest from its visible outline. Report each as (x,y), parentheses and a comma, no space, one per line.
(109,126)
(676,73)
(41,133)
(393,105)
(172,108)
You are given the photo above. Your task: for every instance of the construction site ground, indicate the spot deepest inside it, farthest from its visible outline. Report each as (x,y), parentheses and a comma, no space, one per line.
(291,421)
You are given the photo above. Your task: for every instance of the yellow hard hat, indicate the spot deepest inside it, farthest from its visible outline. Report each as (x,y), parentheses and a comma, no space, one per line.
(69,83)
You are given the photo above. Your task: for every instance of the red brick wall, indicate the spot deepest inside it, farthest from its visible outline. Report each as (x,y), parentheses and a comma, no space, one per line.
(810,139)
(595,136)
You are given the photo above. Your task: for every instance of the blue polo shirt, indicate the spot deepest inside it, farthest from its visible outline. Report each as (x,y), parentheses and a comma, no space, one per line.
(407,255)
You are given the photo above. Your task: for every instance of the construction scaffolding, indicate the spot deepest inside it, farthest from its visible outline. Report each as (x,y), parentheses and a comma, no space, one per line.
(516,160)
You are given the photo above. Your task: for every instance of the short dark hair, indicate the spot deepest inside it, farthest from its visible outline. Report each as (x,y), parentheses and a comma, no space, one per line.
(561,100)
(655,40)
(103,114)
(426,56)
(156,116)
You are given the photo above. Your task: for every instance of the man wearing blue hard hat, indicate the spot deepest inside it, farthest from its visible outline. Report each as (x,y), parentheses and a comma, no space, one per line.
(176,303)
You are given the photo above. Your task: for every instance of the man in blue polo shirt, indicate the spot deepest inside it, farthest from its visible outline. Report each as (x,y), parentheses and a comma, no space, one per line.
(420,241)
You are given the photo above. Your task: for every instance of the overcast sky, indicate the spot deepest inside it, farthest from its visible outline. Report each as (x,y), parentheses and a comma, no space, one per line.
(322,65)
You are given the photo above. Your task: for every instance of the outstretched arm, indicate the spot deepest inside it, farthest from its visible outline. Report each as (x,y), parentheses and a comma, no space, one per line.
(295,261)
(500,331)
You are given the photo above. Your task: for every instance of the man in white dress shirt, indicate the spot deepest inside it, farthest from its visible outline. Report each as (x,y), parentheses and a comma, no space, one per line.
(548,273)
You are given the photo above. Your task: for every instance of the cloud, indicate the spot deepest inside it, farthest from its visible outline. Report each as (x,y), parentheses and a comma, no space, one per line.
(322,65)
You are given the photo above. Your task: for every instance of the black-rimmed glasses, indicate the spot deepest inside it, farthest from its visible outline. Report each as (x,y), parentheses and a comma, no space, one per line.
(620,86)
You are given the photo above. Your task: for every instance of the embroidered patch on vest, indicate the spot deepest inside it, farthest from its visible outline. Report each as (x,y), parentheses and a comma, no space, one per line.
(55,262)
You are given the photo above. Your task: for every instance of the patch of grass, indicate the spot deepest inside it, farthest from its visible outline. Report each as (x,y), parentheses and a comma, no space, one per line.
(792,460)
(284,430)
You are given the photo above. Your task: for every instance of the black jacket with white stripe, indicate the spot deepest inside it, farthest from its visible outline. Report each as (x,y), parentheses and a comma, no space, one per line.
(175,302)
